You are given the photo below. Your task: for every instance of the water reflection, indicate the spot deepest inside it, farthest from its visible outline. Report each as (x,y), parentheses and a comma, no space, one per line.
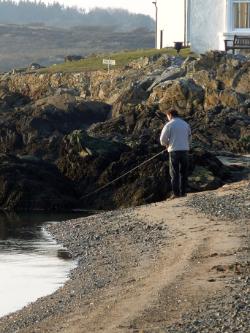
(21,224)
(29,264)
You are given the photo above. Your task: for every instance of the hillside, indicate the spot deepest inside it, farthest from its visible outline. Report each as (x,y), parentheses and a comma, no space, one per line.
(21,45)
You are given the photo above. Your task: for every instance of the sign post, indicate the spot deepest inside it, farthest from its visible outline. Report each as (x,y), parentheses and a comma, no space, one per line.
(108,62)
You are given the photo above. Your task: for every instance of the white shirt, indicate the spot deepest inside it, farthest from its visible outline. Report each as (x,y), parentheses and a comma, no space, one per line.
(176,135)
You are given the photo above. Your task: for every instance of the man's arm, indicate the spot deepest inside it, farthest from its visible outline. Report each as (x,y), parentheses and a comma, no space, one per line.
(164,138)
(189,135)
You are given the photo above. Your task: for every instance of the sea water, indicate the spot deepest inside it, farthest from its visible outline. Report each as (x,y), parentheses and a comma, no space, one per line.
(29,265)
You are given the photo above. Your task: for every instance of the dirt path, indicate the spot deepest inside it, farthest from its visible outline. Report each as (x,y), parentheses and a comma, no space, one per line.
(165,287)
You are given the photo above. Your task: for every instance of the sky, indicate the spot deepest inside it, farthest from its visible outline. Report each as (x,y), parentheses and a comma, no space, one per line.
(136,6)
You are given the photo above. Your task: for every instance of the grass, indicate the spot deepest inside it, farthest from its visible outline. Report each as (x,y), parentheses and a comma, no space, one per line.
(94,62)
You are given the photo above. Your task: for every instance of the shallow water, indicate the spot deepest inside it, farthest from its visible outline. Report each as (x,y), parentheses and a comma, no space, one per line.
(29,265)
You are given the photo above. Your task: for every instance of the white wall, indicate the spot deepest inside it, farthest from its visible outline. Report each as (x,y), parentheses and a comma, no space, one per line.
(208,23)
(171,21)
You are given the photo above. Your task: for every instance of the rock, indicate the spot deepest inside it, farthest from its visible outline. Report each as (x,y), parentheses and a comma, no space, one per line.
(64,254)
(128,99)
(206,79)
(145,61)
(29,185)
(10,99)
(203,180)
(34,66)
(70,58)
(171,73)
(96,126)
(224,129)
(207,160)
(225,98)
(68,91)
(38,128)
(241,79)
(182,94)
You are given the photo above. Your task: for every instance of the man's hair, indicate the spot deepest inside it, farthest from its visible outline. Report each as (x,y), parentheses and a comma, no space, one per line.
(173,113)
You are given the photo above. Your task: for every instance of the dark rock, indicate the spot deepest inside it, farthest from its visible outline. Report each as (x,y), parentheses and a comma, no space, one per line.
(64,254)
(10,99)
(30,185)
(95,141)
(34,66)
(38,128)
(73,57)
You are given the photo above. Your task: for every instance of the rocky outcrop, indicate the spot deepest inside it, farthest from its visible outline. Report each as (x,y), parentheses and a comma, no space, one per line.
(30,184)
(38,127)
(96,158)
(182,94)
(90,128)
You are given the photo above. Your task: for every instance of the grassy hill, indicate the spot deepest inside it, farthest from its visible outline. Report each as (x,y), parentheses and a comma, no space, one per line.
(122,58)
(22,44)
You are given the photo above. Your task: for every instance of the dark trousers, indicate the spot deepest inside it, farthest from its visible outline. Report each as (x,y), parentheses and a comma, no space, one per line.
(178,168)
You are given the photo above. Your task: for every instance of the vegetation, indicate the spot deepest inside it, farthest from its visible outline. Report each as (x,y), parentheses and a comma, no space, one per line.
(22,45)
(33,32)
(94,62)
(39,13)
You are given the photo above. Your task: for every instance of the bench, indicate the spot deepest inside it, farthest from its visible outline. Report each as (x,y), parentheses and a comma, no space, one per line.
(238,43)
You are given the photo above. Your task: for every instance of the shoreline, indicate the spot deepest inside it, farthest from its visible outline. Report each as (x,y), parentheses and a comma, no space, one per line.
(141,268)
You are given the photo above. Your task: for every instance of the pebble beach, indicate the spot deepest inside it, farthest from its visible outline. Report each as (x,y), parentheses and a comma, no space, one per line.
(117,254)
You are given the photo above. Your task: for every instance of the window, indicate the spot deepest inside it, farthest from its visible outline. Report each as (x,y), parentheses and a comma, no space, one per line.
(241,14)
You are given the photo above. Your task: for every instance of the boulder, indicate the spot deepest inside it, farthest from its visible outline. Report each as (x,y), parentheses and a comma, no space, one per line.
(203,180)
(10,99)
(226,98)
(129,98)
(34,66)
(241,81)
(183,94)
(169,74)
(33,185)
(73,57)
(37,129)
(82,157)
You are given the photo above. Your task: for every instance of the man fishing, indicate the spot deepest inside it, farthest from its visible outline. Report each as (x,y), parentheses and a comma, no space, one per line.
(176,136)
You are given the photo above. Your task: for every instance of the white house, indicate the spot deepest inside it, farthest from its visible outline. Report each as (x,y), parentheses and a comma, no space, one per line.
(204,24)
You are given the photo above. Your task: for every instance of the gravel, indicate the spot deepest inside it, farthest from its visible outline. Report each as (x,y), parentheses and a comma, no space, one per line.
(228,312)
(233,206)
(106,246)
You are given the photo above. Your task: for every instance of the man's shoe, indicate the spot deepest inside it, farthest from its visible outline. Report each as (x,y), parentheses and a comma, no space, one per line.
(183,195)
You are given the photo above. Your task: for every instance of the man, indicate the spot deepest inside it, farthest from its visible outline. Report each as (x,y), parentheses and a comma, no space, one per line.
(176,136)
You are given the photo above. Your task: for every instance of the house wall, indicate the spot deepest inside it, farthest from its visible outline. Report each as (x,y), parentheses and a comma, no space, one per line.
(208,23)
(171,21)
